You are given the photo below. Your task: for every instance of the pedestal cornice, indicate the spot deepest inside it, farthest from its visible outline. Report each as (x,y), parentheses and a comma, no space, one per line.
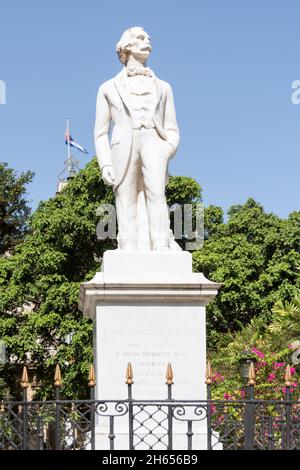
(196,288)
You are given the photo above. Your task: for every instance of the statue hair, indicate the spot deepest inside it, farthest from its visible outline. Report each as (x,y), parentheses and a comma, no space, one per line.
(124,42)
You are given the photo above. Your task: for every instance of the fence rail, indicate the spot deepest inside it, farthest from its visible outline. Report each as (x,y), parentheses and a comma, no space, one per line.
(150,424)
(70,425)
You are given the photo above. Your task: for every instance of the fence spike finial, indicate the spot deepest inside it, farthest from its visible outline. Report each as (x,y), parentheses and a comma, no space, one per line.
(208,374)
(57,376)
(251,375)
(169,375)
(288,376)
(24,379)
(92,376)
(129,374)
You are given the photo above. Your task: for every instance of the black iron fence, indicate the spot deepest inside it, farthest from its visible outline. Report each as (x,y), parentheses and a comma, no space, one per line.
(150,424)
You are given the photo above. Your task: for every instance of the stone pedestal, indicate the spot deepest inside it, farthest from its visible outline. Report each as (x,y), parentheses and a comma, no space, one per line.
(148,309)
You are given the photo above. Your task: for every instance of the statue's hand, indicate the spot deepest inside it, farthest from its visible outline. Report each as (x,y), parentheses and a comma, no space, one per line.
(108,175)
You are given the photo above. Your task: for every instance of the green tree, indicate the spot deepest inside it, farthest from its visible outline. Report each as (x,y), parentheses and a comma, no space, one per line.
(39,285)
(14,209)
(181,191)
(285,325)
(256,257)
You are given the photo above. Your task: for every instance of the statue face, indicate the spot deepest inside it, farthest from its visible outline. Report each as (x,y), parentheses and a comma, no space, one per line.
(141,45)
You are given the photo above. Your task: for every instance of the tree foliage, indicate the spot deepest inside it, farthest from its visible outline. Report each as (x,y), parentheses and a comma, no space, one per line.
(39,286)
(256,257)
(14,209)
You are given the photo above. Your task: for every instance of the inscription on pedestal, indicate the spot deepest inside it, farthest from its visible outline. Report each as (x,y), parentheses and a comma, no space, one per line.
(143,336)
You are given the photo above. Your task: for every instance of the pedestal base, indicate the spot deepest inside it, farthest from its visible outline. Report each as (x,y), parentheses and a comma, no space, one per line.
(148,309)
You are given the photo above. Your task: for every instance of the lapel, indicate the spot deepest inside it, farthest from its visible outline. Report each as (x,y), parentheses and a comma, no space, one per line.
(158,90)
(120,81)
(120,84)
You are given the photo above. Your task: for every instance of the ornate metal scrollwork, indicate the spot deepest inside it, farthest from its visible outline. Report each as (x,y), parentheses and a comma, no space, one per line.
(190,412)
(106,409)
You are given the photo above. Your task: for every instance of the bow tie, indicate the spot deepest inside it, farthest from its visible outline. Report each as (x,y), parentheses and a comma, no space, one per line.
(131,72)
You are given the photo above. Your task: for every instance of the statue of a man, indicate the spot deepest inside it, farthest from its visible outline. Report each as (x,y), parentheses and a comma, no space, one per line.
(145,136)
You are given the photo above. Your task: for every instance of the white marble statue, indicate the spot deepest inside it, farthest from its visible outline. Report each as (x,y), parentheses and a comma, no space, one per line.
(145,136)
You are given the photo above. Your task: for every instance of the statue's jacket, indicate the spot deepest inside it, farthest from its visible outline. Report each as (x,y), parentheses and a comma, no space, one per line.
(113,108)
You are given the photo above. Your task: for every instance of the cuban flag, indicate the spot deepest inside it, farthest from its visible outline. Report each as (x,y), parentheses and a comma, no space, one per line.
(68,138)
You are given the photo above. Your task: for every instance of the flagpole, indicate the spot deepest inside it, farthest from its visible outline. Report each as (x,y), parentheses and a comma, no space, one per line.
(68,133)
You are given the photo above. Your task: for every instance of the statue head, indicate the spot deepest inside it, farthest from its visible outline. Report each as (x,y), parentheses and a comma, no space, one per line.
(134,41)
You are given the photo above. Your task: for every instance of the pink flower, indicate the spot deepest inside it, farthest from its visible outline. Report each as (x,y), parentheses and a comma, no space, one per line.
(284,390)
(217,377)
(276,365)
(258,353)
(271,377)
(260,364)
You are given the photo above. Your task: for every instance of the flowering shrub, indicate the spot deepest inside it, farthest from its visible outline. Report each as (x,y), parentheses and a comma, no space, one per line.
(269,382)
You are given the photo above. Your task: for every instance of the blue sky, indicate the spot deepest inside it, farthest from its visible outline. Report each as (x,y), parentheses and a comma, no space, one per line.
(231,65)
